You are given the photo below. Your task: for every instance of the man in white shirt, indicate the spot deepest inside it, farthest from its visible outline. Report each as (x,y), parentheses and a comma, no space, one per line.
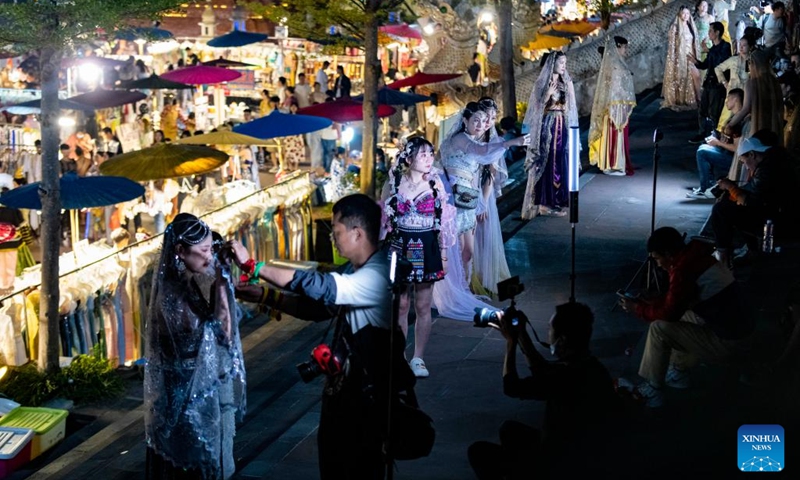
(349,438)
(302,91)
(721,9)
(322,76)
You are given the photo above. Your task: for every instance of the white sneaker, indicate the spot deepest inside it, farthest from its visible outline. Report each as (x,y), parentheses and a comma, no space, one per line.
(699,194)
(652,397)
(614,173)
(418,367)
(677,378)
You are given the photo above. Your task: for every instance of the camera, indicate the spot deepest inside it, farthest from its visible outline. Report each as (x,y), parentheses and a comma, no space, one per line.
(322,361)
(507,289)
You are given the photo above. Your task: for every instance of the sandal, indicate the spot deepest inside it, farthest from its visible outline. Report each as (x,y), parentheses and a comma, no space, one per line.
(418,367)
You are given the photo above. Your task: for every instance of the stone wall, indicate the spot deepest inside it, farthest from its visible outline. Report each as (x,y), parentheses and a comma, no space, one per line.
(647,51)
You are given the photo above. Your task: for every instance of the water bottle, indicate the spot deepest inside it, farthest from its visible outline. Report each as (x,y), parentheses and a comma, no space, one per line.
(767,243)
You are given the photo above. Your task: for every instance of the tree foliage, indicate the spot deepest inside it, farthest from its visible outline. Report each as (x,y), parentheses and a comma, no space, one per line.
(61,24)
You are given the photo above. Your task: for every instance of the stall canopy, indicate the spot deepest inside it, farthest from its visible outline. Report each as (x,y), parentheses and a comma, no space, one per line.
(421,78)
(202,75)
(220,137)
(278,124)
(343,110)
(236,38)
(154,82)
(164,161)
(388,96)
(547,42)
(108,98)
(570,28)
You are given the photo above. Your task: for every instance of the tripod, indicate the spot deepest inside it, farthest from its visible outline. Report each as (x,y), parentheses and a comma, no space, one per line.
(648,266)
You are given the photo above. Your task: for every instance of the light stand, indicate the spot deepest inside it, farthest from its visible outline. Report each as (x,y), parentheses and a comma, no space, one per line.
(649,265)
(574,185)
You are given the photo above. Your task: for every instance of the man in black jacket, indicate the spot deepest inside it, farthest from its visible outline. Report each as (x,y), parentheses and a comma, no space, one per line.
(712,98)
(578,390)
(342,85)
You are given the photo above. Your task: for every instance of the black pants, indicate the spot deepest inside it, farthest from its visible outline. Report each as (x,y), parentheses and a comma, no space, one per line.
(727,218)
(712,99)
(517,456)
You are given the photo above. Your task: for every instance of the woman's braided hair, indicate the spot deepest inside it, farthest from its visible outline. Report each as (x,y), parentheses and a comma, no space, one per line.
(403,162)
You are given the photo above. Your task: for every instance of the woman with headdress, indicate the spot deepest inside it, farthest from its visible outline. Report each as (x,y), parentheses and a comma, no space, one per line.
(614,101)
(490,265)
(419,227)
(678,89)
(462,153)
(194,384)
(763,105)
(551,112)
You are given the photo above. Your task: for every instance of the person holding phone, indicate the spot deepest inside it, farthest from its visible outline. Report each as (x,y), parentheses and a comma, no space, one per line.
(700,316)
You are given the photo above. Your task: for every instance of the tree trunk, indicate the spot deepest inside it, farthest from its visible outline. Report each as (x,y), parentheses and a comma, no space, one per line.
(506,45)
(372,72)
(50,194)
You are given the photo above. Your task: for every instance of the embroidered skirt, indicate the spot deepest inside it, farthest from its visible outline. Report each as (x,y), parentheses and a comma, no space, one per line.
(421,248)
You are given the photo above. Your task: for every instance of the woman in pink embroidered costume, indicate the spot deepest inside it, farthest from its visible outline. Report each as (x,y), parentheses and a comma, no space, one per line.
(420,228)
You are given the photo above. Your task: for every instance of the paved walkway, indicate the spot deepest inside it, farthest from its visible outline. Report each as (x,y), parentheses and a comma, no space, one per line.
(694,437)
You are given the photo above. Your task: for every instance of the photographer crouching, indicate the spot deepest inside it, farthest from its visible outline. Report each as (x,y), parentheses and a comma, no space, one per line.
(356,365)
(578,390)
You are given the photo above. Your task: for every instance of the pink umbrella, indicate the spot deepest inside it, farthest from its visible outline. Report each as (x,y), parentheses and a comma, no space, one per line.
(402,31)
(421,78)
(343,110)
(201,75)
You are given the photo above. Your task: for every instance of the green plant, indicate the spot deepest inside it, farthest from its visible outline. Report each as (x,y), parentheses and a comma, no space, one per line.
(89,378)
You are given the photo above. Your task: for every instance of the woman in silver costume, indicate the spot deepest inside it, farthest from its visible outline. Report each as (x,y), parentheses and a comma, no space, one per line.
(194,385)
(679,86)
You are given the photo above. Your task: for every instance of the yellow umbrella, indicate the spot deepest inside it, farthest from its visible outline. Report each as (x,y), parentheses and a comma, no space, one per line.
(221,137)
(546,42)
(579,27)
(164,161)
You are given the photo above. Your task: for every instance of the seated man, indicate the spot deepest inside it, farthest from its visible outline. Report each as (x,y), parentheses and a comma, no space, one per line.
(577,388)
(715,156)
(700,317)
(766,196)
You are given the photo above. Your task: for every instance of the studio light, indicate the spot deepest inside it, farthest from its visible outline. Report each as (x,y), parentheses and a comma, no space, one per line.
(66,122)
(347,135)
(574,158)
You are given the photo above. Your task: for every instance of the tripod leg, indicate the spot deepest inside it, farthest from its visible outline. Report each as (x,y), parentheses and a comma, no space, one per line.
(636,275)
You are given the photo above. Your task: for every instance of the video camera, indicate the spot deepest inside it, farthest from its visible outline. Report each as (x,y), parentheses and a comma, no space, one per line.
(322,361)
(507,289)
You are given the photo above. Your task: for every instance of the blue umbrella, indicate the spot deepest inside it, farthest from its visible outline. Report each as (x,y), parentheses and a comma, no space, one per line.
(147,33)
(388,96)
(35,106)
(77,192)
(236,38)
(278,124)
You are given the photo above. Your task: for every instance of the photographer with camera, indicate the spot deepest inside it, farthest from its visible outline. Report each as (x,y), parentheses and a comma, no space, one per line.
(355,397)
(701,316)
(578,390)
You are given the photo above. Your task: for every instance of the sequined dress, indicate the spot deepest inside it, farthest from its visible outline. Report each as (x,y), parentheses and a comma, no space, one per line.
(678,88)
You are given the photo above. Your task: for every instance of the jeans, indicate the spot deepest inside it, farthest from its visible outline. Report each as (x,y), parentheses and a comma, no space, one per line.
(728,218)
(328,146)
(712,163)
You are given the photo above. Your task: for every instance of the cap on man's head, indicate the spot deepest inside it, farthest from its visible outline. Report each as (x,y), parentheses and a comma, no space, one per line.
(751,145)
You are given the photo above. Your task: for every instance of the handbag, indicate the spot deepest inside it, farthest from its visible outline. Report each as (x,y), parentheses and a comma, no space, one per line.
(465,197)
(412,434)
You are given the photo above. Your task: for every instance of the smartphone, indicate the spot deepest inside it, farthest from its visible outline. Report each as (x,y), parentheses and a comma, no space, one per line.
(526,129)
(623,294)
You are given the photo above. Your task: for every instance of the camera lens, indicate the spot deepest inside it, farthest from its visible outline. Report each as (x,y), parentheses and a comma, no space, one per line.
(484,316)
(308,371)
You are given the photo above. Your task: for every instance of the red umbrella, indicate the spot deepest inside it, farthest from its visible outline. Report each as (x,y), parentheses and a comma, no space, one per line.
(421,78)
(202,75)
(343,110)
(108,98)
(403,31)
